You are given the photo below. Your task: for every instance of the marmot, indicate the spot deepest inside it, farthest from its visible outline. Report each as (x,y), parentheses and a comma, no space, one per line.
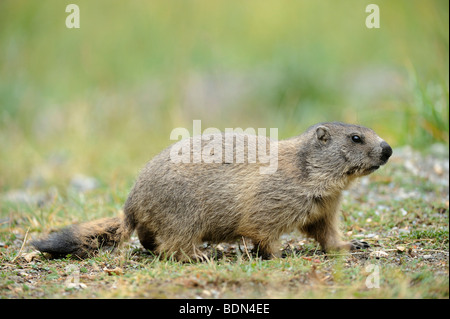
(176,206)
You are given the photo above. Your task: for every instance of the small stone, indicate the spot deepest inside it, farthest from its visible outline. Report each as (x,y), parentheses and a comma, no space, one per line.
(400,249)
(75,285)
(438,169)
(378,254)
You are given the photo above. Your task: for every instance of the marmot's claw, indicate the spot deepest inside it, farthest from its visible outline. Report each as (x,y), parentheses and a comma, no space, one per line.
(356,244)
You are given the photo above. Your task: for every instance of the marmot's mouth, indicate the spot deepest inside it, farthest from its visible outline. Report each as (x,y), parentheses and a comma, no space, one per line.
(363,171)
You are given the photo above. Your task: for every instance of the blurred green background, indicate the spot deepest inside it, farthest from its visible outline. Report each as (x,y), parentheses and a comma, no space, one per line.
(102,100)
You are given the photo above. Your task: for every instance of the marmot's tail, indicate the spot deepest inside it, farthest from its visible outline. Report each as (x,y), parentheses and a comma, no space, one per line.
(85,239)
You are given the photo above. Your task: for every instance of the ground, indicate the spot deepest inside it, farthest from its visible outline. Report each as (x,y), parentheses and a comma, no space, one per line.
(402,211)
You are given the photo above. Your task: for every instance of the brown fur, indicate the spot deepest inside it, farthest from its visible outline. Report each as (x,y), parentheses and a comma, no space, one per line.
(175,207)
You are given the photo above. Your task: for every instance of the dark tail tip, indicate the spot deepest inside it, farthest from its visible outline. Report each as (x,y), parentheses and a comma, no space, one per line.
(61,244)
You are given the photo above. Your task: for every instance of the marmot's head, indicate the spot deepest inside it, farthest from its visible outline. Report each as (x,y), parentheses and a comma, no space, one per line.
(350,150)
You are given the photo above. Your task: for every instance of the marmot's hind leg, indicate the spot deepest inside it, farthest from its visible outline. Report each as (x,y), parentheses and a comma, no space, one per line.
(147,238)
(263,249)
(179,248)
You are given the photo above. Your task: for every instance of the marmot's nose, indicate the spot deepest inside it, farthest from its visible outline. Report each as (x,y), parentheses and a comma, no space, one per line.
(386,151)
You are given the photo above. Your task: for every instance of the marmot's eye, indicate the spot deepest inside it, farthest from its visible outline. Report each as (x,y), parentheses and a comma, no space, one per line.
(356,139)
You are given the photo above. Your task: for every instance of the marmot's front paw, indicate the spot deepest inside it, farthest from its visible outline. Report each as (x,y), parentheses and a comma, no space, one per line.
(356,245)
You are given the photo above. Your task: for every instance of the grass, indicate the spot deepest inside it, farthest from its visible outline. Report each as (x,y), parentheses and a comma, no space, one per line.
(102,100)
(291,277)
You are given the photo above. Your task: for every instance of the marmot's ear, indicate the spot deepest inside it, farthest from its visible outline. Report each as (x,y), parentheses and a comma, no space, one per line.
(323,134)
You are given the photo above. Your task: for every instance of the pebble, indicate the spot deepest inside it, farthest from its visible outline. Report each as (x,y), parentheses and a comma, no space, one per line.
(401,249)
(75,285)
(379,254)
